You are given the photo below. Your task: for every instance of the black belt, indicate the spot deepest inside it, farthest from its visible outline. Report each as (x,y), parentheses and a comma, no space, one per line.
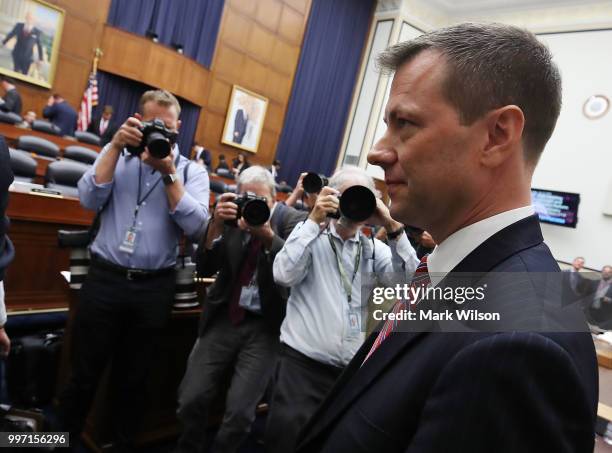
(128,273)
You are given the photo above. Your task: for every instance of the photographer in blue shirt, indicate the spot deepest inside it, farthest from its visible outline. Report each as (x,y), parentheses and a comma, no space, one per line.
(144,203)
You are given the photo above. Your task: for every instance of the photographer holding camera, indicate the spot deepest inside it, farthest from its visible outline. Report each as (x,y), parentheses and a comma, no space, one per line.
(145,194)
(322,329)
(240,322)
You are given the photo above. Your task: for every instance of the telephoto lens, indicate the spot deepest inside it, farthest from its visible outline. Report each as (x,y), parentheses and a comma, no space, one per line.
(313,183)
(252,208)
(158,145)
(357,203)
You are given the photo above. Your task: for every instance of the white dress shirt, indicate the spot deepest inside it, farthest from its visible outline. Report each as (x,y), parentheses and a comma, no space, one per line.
(462,242)
(317,319)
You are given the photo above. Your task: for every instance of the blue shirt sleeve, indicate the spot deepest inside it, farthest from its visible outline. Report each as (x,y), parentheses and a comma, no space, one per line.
(191,212)
(92,194)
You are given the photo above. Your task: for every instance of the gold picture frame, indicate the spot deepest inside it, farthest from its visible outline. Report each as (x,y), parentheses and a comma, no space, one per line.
(244,121)
(30,33)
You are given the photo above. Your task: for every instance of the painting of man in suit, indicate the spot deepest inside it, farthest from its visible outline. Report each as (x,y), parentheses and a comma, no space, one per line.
(29,38)
(244,121)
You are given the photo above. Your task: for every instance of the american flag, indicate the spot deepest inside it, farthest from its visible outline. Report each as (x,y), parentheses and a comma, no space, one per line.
(89,101)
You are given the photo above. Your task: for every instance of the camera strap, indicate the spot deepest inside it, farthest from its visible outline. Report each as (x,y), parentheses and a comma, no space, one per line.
(348,286)
(140,201)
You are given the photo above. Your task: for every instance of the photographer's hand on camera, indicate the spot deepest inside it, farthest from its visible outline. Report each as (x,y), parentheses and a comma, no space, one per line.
(382,217)
(225,209)
(327,203)
(128,134)
(164,166)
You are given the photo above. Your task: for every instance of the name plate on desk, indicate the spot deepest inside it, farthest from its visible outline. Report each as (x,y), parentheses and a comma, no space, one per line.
(46,192)
(36,189)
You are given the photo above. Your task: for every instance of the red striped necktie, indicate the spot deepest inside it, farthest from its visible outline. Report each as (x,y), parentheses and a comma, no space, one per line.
(420,278)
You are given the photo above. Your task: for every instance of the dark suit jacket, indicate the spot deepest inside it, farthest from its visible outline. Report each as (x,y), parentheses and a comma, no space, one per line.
(6,178)
(24,47)
(63,116)
(601,316)
(240,125)
(469,392)
(12,102)
(226,258)
(94,127)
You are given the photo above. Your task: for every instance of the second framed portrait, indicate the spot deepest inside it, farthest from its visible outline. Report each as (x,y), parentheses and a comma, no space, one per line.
(244,120)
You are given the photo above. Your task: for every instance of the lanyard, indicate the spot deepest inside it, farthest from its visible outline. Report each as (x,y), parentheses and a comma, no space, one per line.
(348,286)
(140,201)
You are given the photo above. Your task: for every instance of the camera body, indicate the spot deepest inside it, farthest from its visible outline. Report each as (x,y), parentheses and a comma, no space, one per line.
(156,137)
(252,208)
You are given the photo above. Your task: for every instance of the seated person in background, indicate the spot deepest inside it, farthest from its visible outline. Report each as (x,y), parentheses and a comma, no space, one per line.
(275,168)
(7,252)
(60,113)
(28,119)
(201,156)
(144,204)
(600,293)
(103,125)
(11,101)
(240,163)
(297,195)
(322,329)
(240,322)
(222,163)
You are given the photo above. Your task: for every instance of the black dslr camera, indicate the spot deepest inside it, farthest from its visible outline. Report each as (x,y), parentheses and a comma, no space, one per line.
(156,137)
(313,183)
(254,209)
(357,203)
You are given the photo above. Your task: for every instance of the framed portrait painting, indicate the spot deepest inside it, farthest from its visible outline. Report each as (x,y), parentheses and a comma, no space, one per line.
(30,33)
(244,120)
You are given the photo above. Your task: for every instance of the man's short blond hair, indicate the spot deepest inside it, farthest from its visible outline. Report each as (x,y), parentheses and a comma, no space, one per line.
(160,97)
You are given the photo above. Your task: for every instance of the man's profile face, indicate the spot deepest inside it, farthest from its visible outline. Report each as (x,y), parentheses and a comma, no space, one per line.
(578,263)
(167,114)
(107,115)
(606,272)
(429,158)
(261,190)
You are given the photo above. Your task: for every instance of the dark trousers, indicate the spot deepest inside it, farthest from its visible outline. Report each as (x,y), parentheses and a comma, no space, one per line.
(300,386)
(249,351)
(120,320)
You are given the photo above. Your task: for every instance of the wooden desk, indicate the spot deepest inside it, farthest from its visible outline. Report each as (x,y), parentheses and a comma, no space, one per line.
(12,134)
(33,279)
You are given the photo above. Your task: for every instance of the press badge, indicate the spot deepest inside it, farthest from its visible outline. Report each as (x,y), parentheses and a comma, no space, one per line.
(129,241)
(354,322)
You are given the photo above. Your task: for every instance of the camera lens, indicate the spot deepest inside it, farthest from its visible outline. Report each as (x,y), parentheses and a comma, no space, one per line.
(313,183)
(158,145)
(357,203)
(256,212)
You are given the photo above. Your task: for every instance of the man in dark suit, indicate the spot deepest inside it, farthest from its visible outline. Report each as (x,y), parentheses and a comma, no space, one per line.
(598,294)
(60,113)
(7,252)
(240,126)
(11,102)
(27,36)
(470,110)
(239,329)
(103,125)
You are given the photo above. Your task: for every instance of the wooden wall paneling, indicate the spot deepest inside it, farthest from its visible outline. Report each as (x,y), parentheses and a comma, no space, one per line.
(164,68)
(285,57)
(82,29)
(275,116)
(229,62)
(278,86)
(291,25)
(236,29)
(260,43)
(299,5)
(254,75)
(196,81)
(122,55)
(244,6)
(71,76)
(268,13)
(220,92)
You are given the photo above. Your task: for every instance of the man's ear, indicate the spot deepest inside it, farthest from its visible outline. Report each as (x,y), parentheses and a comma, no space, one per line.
(505,134)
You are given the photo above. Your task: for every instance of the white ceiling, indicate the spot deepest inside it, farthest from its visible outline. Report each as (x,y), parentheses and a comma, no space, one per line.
(463,7)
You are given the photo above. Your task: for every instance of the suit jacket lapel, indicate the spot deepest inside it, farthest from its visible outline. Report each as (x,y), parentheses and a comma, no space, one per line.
(519,236)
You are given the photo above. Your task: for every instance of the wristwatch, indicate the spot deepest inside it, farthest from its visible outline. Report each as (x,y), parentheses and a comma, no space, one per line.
(170,179)
(395,234)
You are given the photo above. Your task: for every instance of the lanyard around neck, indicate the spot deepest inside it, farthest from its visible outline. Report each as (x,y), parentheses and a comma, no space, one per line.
(348,286)
(140,201)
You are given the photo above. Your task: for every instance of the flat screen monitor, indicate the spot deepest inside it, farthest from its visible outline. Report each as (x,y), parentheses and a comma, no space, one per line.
(557,208)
